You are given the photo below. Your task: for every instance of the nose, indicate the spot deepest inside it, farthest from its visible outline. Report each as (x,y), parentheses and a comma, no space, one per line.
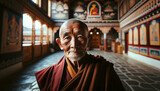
(73,42)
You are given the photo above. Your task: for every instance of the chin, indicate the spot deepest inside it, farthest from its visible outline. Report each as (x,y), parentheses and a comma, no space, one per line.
(75,57)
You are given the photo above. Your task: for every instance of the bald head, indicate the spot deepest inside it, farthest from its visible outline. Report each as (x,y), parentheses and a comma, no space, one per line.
(73,39)
(82,26)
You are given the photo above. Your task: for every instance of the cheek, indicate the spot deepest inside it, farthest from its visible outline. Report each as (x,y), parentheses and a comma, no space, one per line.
(65,46)
(83,42)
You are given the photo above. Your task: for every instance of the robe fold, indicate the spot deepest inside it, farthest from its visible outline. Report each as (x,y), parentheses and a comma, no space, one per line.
(94,74)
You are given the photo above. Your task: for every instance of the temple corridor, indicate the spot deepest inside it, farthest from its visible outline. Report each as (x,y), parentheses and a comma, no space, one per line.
(135,76)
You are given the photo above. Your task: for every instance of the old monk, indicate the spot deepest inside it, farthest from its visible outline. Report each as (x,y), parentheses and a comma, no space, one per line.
(78,70)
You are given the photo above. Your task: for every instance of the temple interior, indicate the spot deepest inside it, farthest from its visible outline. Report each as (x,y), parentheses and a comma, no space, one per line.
(124,32)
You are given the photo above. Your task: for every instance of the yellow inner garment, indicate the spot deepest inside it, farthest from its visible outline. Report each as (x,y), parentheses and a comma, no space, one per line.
(71,69)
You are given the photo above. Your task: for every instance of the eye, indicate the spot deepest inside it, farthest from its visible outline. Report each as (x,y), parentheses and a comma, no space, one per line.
(67,37)
(80,37)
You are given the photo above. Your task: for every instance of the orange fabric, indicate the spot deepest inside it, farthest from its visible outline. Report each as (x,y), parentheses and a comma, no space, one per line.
(71,69)
(95,74)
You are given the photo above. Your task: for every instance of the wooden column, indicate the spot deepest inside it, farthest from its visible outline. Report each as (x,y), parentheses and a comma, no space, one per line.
(47,39)
(49,8)
(41,35)
(33,33)
(51,35)
(41,38)
(33,37)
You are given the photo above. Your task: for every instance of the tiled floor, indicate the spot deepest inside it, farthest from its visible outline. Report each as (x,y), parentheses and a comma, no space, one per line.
(134,75)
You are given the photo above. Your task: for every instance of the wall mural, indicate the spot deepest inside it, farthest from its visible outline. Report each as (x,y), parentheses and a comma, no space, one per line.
(130,48)
(143,34)
(154,53)
(143,50)
(136,49)
(109,12)
(79,11)
(94,10)
(59,10)
(147,49)
(130,36)
(135,35)
(154,32)
(11,32)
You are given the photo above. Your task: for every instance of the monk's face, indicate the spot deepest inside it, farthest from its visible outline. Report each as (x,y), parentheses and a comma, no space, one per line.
(73,40)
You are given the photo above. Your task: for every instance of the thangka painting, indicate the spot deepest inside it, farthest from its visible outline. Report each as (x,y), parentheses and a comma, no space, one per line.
(130,36)
(154,53)
(135,35)
(143,37)
(130,48)
(143,51)
(11,32)
(136,49)
(154,32)
(94,10)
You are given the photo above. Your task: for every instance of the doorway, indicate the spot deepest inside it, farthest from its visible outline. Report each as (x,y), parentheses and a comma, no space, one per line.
(111,36)
(95,38)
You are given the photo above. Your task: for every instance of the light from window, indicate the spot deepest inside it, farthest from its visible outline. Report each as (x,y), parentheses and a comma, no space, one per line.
(35,1)
(27,30)
(44,34)
(37,32)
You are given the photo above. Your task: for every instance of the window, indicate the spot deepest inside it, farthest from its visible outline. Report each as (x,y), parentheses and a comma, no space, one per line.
(38,2)
(37,32)
(35,1)
(44,34)
(27,30)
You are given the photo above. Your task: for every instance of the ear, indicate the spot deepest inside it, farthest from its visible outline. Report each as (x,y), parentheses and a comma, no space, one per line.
(59,43)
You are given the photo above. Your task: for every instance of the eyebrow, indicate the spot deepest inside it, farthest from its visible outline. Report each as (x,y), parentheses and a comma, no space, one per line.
(81,32)
(65,33)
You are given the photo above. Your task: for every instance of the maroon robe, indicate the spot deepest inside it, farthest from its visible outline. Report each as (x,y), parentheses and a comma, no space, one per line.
(94,74)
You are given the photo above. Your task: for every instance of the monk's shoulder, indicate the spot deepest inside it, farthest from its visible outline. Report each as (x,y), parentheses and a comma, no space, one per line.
(48,69)
(45,71)
(99,59)
(51,68)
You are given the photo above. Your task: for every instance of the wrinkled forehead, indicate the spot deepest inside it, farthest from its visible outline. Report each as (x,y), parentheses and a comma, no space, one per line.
(73,26)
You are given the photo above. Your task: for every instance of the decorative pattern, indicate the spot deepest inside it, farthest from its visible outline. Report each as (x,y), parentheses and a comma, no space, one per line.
(59,10)
(130,48)
(110,10)
(132,2)
(136,49)
(143,51)
(79,11)
(154,53)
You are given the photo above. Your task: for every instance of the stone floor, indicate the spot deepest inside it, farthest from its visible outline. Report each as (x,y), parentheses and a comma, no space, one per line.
(134,75)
